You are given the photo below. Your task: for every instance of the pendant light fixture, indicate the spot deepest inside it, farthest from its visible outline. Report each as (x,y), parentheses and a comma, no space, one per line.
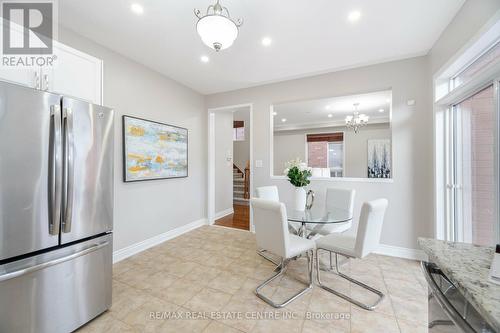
(356,121)
(216,28)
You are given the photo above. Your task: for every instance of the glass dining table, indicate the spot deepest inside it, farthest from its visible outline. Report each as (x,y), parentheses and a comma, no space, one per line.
(317,215)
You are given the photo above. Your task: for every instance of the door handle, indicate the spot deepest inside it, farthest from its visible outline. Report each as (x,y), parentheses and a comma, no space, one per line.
(24,271)
(37,80)
(68,169)
(46,82)
(55,171)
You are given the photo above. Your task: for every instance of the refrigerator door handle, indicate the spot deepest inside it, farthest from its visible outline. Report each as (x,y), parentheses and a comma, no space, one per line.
(68,169)
(55,171)
(54,262)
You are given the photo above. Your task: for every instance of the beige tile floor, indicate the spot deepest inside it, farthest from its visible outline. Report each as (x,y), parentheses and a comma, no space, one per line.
(205,280)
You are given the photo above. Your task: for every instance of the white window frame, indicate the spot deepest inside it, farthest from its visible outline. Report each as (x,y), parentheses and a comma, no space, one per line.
(445,97)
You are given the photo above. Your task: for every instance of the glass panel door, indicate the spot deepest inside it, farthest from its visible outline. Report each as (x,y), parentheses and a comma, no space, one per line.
(473,175)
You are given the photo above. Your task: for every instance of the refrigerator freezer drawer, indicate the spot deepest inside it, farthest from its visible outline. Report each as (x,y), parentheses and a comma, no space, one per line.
(57,291)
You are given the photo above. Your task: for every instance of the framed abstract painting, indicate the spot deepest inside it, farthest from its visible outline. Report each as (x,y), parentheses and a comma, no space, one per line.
(153,150)
(379,158)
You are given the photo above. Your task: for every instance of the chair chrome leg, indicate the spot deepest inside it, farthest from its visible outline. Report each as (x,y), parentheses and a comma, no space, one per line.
(282,270)
(263,255)
(328,267)
(347,298)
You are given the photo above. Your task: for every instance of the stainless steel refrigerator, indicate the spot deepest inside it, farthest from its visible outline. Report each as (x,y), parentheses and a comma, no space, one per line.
(56,210)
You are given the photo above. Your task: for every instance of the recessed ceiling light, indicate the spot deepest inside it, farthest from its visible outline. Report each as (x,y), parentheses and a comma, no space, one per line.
(136,8)
(283,120)
(204,59)
(354,16)
(266,41)
(275,113)
(387,100)
(381,110)
(328,107)
(330,115)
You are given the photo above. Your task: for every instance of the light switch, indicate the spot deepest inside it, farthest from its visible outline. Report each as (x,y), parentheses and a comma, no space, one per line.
(258,163)
(410,102)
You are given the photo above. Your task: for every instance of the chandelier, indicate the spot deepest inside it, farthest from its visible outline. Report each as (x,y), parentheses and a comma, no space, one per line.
(216,28)
(356,121)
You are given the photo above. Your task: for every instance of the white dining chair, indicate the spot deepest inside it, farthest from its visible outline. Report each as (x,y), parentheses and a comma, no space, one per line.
(271,230)
(325,172)
(316,172)
(366,241)
(271,193)
(268,193)
(336,198)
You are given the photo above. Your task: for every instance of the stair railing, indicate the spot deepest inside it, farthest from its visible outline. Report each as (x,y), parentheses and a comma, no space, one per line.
(246,188)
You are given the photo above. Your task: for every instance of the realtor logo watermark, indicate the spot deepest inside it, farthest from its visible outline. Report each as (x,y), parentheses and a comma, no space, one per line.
(28,32)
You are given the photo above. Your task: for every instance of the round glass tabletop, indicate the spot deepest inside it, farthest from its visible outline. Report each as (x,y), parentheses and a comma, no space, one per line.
(318,215)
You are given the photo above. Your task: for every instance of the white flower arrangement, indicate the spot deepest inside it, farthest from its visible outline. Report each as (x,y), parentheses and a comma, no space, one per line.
(298,172)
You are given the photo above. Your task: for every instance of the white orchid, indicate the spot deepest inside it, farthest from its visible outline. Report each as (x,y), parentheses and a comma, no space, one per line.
(298,172)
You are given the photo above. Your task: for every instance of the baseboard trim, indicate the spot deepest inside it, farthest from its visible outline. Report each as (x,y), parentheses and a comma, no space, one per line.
(129,251)
(401,252)
(224,213)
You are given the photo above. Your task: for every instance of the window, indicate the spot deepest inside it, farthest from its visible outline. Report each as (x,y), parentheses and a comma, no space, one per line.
(467,187)
(486,59)
(472,171)
(238,130)
(336,158)
(326,151)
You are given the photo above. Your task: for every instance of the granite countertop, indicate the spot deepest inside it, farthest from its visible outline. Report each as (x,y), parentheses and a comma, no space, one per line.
(468,266)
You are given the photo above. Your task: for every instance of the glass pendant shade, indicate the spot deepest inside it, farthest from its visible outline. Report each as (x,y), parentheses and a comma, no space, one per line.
(216,28)
(217,31)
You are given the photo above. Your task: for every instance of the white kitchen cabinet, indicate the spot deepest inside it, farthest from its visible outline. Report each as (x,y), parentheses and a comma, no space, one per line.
(26,76)
(74,73)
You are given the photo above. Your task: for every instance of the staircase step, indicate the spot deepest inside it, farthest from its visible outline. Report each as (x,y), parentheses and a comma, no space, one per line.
(241,201)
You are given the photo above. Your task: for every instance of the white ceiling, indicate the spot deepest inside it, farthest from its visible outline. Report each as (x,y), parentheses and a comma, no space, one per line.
(314,113)
(309,37)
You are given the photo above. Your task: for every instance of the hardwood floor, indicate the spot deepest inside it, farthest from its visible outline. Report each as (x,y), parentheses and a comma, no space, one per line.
(240,219)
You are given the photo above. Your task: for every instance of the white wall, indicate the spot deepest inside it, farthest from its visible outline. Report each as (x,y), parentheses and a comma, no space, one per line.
(223,168)
(289,145)
(146,209)
(465,25)
(410,211)
(241,149)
